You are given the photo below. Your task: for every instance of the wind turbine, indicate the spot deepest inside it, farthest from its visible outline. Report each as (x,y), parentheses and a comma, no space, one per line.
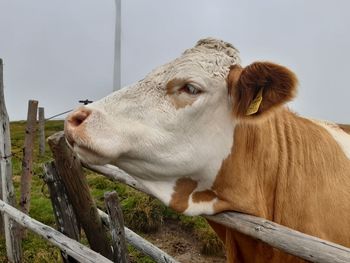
(117,46)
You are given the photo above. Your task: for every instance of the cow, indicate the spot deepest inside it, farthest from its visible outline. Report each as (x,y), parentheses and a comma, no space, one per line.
(205,135)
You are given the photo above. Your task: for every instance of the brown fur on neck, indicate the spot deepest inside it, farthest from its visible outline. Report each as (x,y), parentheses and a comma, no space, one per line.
(289,170)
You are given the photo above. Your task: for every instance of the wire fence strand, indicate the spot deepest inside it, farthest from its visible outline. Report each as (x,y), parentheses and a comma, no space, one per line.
(57,115)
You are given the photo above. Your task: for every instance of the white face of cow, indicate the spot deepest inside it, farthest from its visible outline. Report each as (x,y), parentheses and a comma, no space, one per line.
(171,130)
(175,123)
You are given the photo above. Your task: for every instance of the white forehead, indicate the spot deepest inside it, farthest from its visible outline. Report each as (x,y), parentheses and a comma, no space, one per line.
(209,58)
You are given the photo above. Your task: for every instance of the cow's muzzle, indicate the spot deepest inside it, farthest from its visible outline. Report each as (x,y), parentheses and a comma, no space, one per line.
(73,126)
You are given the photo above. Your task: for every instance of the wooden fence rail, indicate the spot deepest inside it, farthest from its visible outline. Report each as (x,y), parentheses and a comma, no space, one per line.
(293,242)
(288,240)
(69,246)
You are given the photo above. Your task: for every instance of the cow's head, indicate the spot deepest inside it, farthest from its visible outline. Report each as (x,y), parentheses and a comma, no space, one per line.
(173,129)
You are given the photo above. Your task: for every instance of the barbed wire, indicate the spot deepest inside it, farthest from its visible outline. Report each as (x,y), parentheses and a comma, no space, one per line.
(18,154)
(85,102)
(56,115)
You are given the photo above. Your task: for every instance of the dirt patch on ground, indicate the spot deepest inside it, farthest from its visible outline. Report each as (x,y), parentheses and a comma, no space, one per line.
(181,244)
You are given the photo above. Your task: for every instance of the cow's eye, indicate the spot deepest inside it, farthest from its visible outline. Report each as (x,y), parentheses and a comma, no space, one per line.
(190,89)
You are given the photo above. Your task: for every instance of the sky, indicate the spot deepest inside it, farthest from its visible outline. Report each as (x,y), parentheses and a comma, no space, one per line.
(62,51)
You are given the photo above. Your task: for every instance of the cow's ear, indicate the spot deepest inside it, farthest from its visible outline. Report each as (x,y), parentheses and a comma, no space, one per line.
(259,88)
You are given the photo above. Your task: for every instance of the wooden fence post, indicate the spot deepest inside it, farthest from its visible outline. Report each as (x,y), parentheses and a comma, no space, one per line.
(120,254)
(71,173)
(27,163)
(141,244)
(41,131)
(65,218)
(13,242)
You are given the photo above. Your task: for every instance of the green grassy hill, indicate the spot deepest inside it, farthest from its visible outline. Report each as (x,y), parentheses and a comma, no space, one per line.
(142,213)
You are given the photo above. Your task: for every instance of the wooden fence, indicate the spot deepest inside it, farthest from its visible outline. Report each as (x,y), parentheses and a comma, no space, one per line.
(68,245)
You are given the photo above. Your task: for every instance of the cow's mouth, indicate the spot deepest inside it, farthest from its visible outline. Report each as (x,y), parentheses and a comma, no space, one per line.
(90,155)
(86,154)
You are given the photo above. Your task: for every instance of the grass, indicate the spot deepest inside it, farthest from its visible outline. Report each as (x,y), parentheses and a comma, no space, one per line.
(142,213)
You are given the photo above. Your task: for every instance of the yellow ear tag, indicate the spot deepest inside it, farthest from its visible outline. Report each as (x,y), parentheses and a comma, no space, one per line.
(254,106)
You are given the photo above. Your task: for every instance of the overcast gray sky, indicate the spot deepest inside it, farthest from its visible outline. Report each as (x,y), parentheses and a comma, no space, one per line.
(60,51)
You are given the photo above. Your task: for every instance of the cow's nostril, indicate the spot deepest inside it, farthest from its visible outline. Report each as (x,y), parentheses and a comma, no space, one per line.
(78,117)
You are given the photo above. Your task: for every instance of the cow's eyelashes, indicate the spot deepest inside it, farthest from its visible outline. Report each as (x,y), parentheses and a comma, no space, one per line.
(190,89)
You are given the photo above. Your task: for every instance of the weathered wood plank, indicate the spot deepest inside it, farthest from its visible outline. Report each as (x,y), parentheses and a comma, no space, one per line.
(69,246)
(116,225)
(13,242)
(141,244)
(28,150)
(116,174)
(283,238)
(41,131)
(2,230)
(72,175)
(3,121)
(65,218)
(293,242)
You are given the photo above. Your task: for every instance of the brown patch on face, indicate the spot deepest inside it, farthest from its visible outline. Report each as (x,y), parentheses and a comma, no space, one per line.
(182,191)
(173,85)
(203,196)
(178,99)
